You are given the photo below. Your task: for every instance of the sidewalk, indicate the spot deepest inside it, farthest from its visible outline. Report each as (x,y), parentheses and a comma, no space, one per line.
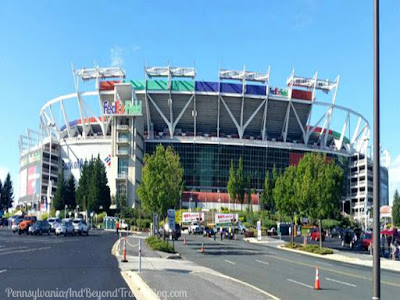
(342,256)
(179,279)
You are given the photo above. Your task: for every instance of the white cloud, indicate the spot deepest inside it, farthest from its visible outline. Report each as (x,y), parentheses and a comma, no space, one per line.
(3,173)
(394,177)
(116,56)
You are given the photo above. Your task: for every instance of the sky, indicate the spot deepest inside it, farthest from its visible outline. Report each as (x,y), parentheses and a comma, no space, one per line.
(40,40)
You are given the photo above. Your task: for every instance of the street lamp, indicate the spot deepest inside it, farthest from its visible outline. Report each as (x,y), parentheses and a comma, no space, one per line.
(65,210)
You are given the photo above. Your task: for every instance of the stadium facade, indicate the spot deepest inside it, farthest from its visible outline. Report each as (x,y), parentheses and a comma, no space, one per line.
(208,123)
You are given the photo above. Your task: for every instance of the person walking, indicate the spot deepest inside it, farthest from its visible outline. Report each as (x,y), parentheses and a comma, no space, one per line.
(230,232)
(117,226)
(221,232)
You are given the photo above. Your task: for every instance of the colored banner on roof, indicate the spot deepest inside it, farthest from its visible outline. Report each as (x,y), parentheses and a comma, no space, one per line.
(125,108)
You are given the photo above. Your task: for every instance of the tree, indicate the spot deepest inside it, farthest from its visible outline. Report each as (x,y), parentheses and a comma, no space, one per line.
(232,187)
(240,183)
(396,209)
(285,194)
(59,197)
(319,186)
(248,192)
(161,184)
(7,194)
(70,198)
(83,189)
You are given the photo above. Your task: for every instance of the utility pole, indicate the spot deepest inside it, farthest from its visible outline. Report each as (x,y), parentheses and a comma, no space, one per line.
(376,230)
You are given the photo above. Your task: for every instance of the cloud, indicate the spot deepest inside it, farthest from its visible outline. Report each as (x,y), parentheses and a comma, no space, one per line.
(116,56)
(3,173)
(394,177)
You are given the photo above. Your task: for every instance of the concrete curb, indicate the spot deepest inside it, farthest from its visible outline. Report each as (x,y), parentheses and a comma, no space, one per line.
(169,255)
(138,286)
(340,258)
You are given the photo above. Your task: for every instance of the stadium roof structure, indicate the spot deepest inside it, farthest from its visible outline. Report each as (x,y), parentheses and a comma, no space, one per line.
(177,106)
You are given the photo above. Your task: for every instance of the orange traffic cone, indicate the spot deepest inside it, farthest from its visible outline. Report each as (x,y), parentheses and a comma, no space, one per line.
(202,248)
(316,284)
(184,241)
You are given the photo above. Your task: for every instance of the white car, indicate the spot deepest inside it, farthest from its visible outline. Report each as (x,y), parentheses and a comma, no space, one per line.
(54,222)
(65,228)
(80,226)
(195,228)
(123,225)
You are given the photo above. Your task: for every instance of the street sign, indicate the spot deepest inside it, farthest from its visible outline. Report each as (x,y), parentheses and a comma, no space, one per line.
(259,230)
(171,219)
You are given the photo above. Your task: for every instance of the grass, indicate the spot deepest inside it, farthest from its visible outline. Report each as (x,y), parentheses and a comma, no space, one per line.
(309,248)
(159,245)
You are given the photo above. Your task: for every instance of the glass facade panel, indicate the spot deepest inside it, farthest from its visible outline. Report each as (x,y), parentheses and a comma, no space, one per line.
(123,164)
(206,167)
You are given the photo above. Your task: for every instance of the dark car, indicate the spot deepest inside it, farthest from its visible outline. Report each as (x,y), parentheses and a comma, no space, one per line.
(3,221)
(349,238)
(337,231)
(208,231)
(39,227)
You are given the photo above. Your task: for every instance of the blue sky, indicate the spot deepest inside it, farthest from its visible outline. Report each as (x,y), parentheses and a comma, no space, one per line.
(40,39)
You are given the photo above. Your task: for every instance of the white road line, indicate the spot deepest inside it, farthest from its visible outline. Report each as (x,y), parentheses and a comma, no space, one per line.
(262,262)
(341,282)
(2,271)
(231,262)
(13,248)
(223,250)
(22,251)
(300,283)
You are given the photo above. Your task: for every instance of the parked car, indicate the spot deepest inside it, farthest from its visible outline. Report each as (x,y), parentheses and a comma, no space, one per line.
(65,228)
(15,224)
(26,223)
(123,225)
(337,232)
(54,222)
(315,234)
(366,240)
(80,226)
(349,238)
(208,231)
(242,228)
(14,217)
(39,227)
(3,221)
(195,228)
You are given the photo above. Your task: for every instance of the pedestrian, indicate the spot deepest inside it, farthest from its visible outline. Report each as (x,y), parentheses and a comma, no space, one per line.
(215,234)
(230,232)
(221,232)
(117,226)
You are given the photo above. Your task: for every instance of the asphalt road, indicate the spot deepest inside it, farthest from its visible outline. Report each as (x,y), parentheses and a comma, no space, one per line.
(285,274)
(80,265)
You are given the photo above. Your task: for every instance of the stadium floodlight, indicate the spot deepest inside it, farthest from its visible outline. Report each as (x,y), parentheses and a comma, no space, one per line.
(324,85)
(243,75)
(170,72)
(94,73)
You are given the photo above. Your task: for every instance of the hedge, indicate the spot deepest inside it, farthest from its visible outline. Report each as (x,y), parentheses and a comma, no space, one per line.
(160,245)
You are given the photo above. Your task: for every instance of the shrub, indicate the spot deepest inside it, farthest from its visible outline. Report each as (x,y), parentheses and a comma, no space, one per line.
(100,217)
(309,248)
(143,223)
(160,245)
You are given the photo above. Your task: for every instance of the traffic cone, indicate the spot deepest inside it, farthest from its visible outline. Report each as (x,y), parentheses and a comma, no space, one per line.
(184,241)
(124,252)
(202,248)
(316,284)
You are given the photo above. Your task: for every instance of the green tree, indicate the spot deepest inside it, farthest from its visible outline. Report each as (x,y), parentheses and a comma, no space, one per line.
(240,183)
(285,194)
(70,198)
(396,209)
(319,186)
(7,194)
(232,187)
(161,184)
(59,197)
(82,191)
(248,192)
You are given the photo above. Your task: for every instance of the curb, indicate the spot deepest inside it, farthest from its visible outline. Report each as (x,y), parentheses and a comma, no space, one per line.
(138,286)
(353,261)
(168,255)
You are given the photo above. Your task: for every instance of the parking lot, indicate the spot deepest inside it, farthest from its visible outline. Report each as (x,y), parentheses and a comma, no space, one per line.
(49,262)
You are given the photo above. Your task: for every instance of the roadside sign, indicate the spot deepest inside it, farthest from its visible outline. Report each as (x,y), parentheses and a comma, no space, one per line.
(189,217)
(226,219)
(171,219)
(259,230)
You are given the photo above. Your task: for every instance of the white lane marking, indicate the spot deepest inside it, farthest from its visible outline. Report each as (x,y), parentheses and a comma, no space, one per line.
(27,250)
(262,262)
(223,250)
(341,282)
(231,262)
(13,248)
(2,271)
(300,283)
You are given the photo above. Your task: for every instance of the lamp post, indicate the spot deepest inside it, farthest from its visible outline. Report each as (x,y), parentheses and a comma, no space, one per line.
(376,169)
(65,210)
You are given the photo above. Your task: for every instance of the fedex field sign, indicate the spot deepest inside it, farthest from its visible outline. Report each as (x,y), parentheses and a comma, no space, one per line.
(127,108)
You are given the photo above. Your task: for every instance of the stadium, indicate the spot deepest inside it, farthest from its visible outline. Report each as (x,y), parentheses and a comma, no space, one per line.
(209,123)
